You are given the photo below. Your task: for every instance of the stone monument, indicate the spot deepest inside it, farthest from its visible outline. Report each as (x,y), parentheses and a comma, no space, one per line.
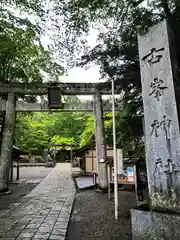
(162,139)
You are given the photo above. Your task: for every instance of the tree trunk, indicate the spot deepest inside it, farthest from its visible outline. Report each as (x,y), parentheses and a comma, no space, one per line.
(7,142)
(165,6)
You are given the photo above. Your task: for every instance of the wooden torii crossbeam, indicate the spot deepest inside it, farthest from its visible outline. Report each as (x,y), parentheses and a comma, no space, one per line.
(65,88)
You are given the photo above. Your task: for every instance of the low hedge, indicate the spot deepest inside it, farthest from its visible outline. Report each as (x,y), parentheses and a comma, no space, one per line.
(36,159)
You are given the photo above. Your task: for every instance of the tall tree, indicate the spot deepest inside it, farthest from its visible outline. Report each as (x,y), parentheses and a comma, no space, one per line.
(22,59)
(117,50)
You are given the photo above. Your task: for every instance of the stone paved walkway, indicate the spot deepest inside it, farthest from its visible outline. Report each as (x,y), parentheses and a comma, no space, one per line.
(45,212)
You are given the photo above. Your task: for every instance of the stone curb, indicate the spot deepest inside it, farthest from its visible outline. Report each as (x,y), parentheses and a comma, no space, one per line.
(71,207)
(17,181)
(75,183)
(69,218)
(5,193)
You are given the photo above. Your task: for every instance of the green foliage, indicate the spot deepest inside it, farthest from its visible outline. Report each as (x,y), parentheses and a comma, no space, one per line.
(22,57)
(117,55)
(72,20)
(62,140)
(33,130)
(30,6)
(88,133)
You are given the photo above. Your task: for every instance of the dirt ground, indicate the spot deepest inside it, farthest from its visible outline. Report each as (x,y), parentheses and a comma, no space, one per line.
(93,217)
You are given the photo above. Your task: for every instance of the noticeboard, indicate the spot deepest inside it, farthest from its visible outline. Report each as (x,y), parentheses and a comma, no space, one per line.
(128,175)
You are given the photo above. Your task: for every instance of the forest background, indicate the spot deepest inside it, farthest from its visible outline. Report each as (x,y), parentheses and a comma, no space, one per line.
(23,58)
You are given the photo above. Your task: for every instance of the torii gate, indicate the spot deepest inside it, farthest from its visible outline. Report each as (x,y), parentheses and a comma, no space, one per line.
(11,106)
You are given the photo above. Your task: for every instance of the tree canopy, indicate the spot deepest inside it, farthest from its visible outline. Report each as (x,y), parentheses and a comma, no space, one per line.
(24,59)
(22,56)
(116,51)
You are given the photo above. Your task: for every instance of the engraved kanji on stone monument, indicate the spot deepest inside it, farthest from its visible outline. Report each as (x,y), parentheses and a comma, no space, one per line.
(164,126)
(161,119)
(157,175)
(171,170)
(157,86)
(155,128)
(154,56)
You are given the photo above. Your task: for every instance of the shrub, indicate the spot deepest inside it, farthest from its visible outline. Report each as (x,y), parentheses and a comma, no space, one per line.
(38,159)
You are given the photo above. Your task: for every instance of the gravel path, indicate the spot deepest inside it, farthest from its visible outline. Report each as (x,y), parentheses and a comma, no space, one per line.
(93,217)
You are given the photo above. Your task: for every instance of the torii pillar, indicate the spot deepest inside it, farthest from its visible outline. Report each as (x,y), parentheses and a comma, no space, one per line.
(101,153)
(7,141)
